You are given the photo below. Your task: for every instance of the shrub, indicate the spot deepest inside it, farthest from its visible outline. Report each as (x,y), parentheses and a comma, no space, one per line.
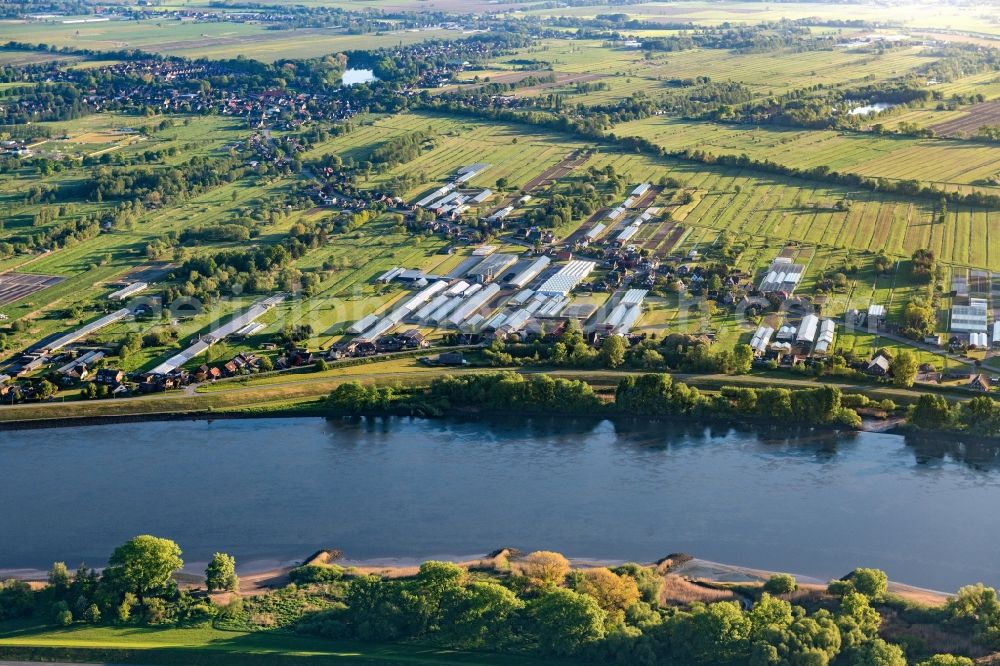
(545,568)
(316,573)
(61,614)
(870,582)
(154,610)
(92,615)
(780,584)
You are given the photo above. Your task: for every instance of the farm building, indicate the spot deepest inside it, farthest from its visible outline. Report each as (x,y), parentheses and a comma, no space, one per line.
(615,318)
(787,332)
(634,296)
(827,329)
(465,174)
(440,314)
(412,275)
(521,297)
(127,291)
(878,366)
(641,189)
(433,196)
(429,308)
(492,267)
(516,321)
(595,232)
(626,234)
(363,324)
(631,316)
(648,215)
(496,321)
(553,307)
(473,303)
(425,294)
(379,330)
(761,338)
(250,329)
(458,288)
(454,196)
(472,324)
(530,272)
(996,333)
(960,286)
(980,383)
(979,341)
(567,278)
(624,315)
(83,361)
(253,313)
(969,318)
(807,329)
(389,275)
(782,275)
(615,214)
(501,214)
(482,196)
(84,331)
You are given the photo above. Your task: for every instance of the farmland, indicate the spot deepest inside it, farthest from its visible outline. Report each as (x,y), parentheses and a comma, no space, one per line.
(324,181)
(629,71)
(219,39)
(955,165)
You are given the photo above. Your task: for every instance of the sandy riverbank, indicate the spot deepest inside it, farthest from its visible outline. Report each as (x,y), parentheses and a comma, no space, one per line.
(686,581)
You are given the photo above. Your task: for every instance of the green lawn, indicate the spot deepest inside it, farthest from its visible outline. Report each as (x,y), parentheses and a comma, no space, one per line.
(202,644)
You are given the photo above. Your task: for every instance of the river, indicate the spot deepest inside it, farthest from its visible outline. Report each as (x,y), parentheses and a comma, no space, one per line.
(275,490)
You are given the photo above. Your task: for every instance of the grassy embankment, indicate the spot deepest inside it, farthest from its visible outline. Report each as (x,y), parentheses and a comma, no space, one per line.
(203,644)
(302,394)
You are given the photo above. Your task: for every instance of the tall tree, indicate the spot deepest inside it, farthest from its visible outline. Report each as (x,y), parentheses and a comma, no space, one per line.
(220,574)
(613,351)
(904,368)
(564,621)
(144,564)
(545,568)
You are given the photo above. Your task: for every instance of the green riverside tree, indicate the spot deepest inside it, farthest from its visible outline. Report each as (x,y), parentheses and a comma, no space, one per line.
(144,564)
(220,574)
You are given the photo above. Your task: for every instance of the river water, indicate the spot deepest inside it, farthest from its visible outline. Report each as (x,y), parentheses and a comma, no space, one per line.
(275,490)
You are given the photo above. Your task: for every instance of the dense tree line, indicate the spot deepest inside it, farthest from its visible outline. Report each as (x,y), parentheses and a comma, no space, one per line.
(577,201)
(400,149)
(42,103)
(979,416)
(762,37)
(253,270)
(659,395)
(165,185)
(649,395)
(676,352)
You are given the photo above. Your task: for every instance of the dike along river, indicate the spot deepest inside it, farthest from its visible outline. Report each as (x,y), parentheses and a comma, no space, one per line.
(275,490)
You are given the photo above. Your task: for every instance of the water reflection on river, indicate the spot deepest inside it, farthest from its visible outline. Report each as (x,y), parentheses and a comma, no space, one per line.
(278,489)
